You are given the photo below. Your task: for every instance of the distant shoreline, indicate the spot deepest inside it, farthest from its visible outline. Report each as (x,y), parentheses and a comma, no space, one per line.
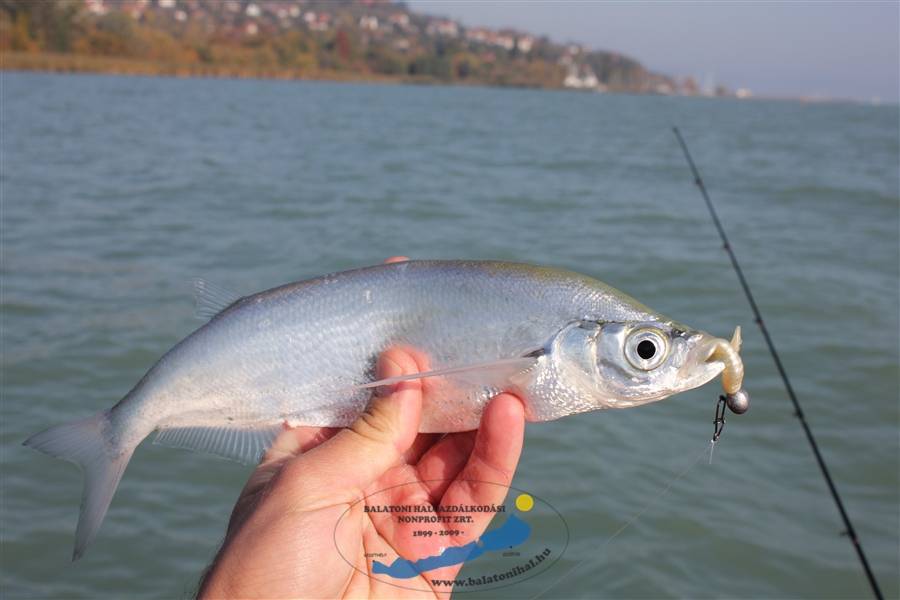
(51,62)
(84,63)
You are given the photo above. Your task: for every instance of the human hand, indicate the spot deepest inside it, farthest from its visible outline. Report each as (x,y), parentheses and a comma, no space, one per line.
(281,540)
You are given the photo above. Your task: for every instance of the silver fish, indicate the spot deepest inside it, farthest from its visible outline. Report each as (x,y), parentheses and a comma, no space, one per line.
(304,353)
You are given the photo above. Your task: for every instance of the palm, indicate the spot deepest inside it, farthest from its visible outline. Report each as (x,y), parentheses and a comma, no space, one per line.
(305,498)
(447,471)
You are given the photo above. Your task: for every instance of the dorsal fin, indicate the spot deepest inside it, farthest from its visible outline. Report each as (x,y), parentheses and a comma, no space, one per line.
(211,299)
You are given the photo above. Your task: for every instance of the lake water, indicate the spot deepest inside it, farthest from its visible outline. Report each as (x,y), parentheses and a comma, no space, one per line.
(117,191)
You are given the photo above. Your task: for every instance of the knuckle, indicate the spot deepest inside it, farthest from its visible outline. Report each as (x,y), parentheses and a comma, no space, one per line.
(374,424)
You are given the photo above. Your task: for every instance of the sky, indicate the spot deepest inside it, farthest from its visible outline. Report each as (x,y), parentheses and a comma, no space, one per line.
(811,49)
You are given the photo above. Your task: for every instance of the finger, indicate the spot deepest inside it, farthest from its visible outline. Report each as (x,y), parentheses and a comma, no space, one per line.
(492,463)
(442,462)
(424,440)
(340,469)
(404,484)
(396,259)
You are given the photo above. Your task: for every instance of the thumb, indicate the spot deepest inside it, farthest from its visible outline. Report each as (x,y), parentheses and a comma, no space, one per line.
(341,469)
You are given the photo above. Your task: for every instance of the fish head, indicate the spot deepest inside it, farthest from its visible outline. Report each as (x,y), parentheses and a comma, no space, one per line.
(623,364)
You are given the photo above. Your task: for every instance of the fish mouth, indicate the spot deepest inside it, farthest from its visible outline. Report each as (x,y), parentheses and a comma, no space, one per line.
(703,368)
(717,355)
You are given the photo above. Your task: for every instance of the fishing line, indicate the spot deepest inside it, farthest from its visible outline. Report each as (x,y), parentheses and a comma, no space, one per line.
(642,149)
(849,531)
(631,521)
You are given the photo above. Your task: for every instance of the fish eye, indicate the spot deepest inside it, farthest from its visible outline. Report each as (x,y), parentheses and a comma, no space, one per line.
(646,349)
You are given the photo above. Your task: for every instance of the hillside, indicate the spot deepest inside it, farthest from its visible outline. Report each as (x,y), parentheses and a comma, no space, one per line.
(301,39)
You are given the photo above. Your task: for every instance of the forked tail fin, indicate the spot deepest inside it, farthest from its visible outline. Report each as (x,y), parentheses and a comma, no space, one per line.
(88,444)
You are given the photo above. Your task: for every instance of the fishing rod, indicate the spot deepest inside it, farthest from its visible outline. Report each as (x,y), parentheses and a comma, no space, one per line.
(849,531)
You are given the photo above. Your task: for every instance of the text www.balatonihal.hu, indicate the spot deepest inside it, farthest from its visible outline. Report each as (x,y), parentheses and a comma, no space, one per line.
(497,577)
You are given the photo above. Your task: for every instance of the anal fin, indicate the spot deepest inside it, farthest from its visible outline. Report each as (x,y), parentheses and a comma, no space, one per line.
(245,443)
